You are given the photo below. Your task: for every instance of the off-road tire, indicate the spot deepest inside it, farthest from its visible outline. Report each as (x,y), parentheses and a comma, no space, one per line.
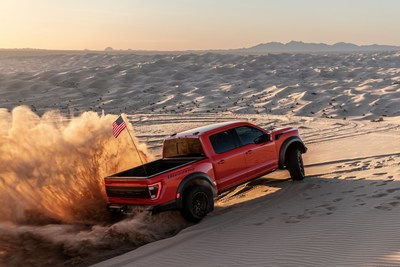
(196,203)
(294,164)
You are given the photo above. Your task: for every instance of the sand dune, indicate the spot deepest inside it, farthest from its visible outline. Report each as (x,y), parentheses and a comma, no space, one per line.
(346,107)
(365,85)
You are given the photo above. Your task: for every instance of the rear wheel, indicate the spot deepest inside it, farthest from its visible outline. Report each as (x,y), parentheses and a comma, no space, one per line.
(294,164)
(196,203)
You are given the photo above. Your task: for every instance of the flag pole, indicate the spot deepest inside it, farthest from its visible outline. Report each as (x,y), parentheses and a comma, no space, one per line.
(137,151)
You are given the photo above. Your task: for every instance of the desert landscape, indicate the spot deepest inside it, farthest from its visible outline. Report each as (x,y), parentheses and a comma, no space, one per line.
(56,145)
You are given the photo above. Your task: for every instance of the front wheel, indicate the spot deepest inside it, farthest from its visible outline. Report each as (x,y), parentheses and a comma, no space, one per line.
(197,202)
(294,164)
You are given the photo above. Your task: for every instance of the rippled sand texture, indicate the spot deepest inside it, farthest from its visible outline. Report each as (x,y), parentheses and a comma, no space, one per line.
(365,85)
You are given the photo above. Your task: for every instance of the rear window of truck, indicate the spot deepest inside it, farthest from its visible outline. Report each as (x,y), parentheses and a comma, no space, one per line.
(183,147)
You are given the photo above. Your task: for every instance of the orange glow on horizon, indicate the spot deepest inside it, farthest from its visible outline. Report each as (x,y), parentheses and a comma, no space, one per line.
(178,25)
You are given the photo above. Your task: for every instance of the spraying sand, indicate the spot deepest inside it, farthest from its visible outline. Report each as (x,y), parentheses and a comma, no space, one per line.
(52,198)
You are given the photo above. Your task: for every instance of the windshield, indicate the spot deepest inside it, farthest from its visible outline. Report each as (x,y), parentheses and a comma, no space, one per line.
(183,147)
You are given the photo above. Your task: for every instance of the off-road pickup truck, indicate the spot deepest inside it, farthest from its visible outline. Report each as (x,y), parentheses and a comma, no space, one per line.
(199,164)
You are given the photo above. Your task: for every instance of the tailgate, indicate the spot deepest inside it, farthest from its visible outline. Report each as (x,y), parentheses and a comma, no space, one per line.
(131,191)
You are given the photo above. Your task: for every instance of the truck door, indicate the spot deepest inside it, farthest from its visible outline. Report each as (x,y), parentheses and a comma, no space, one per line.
(260,158)
(229,161)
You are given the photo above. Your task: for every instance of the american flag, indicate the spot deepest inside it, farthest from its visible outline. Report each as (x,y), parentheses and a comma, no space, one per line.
(118,126)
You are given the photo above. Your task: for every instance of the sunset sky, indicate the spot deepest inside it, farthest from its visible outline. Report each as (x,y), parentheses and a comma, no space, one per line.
(190,24)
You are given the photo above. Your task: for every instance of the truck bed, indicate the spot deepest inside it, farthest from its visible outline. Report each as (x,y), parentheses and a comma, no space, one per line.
(154,168)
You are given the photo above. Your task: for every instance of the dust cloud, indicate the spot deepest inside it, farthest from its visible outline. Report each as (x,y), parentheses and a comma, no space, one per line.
(52,198)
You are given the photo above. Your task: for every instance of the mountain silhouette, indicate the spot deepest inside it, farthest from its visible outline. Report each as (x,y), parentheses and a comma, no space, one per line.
(297,46)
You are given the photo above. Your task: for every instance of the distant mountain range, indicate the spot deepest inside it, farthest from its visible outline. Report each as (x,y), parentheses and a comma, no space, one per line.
(272,47)
(294,46)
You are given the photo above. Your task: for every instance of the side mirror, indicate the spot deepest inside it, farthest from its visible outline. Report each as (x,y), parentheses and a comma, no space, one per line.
(266,137)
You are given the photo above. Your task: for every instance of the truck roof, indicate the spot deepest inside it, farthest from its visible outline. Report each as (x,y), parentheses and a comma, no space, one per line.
(207,129)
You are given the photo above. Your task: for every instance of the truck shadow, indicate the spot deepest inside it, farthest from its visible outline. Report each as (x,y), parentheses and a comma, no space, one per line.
(349,176)
(351,206)
(319,194)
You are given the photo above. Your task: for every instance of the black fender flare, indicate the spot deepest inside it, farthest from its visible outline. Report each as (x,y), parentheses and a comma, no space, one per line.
(197,178)
(291,141)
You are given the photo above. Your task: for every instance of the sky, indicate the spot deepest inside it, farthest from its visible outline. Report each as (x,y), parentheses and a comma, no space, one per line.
(194,24)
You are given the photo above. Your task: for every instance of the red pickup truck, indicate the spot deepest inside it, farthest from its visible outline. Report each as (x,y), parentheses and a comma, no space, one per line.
(199,164)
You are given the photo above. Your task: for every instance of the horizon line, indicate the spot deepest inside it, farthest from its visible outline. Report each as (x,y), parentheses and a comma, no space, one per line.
(111,49)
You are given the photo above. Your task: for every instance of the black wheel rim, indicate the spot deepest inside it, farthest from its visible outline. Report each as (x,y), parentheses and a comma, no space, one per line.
(199,204)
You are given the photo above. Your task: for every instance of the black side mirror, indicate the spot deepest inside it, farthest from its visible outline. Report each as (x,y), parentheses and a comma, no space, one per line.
(266,137)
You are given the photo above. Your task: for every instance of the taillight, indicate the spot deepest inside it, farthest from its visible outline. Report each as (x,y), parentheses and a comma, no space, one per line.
(154,190)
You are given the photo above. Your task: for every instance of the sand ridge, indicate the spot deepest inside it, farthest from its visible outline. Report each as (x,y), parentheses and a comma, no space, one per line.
(365,85)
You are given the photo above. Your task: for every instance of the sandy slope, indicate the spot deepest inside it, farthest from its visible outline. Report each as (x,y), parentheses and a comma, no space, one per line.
(345,213)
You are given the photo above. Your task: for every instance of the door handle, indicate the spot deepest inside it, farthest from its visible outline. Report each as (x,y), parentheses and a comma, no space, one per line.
(221,161)
(249,152)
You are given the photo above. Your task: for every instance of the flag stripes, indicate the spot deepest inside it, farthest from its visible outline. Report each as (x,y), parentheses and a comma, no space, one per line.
(118,126)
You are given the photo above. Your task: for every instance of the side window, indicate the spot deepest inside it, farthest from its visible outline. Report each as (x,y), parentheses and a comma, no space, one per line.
(248,134)
(223,142)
